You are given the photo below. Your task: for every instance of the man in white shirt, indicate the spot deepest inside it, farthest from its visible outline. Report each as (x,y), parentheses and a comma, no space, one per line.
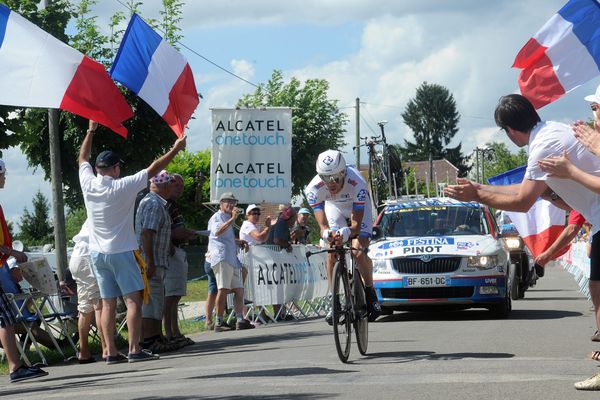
(519,119)
(109,202)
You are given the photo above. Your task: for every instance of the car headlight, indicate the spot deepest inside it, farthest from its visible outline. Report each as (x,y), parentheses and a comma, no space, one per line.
(513,243)
(482,262)
(380,266)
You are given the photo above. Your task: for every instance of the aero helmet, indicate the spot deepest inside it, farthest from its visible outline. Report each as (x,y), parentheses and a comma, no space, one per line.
(331,162)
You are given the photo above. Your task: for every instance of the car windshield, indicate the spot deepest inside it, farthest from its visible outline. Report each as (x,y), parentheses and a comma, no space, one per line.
(434,221)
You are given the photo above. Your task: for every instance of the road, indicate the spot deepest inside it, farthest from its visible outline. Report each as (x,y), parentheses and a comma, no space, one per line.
(538,353)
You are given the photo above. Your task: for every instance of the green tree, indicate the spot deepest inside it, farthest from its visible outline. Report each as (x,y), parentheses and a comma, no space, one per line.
(73,222)
(503,160)
(433,118)
(195,170)
(31,125)
(35,226)
(318,122)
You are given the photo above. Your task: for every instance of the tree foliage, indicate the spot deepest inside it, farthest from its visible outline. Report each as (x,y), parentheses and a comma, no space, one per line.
(318,122)
(149,135)
(35,226)
(433,118)
(195,170)
(502,159)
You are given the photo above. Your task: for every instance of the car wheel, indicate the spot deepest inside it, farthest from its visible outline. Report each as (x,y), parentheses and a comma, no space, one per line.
(514,275)
(387,311)
(501,310)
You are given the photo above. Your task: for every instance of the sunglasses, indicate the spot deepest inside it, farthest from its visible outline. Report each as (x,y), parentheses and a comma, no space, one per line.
(255,213)
(595,107)
(337,178)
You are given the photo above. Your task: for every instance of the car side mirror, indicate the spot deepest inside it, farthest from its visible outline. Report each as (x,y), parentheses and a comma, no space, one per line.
(377,233)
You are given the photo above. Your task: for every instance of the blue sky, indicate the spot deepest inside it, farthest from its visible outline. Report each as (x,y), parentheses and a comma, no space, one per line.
(378,51)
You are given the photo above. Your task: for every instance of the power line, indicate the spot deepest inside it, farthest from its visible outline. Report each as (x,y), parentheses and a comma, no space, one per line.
(201,56)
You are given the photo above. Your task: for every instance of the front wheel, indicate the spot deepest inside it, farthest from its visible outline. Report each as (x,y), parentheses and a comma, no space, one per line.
(341,308)
(361,318)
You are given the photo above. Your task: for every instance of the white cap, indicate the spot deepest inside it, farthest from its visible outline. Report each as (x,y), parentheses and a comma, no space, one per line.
(594,98)
(251,207)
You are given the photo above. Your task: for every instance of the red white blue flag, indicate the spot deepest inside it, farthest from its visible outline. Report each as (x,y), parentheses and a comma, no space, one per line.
(155,71)
(563,55)
(38,70)
(541,225)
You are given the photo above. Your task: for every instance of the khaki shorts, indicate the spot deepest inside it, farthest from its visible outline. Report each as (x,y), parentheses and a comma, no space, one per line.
(227,276)
(88,294)
(176,274)
(156,305)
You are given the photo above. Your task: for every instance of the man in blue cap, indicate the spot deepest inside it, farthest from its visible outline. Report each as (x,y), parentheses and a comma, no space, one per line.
(109,202)
(300,229)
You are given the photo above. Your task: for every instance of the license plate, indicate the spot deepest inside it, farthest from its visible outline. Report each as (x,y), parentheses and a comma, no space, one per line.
(422,281)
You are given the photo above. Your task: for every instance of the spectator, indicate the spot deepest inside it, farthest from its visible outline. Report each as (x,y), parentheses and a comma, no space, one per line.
(177,272)
(517,116)
(222,247)
(211,294)
(280,235)
(300,229)
(253,235)
(18,371)
(109,202)
(153,230)
(569,233)
(88,294)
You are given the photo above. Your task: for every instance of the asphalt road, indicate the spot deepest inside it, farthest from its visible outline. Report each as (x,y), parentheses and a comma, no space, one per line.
(538,353)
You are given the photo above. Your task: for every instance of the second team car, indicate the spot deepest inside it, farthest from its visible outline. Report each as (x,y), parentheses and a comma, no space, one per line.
(440,251)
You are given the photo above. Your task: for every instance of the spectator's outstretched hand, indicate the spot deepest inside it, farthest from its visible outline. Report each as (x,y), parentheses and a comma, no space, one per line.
(180,143)
(465,190)
(589,137)
(558,167)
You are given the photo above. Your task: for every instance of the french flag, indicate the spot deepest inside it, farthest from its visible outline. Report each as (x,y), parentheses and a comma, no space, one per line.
(541,225)
(563,55)
(155,71)
(39,70)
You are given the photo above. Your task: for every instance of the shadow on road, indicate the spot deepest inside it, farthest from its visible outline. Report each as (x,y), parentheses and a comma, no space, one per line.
(476,315)
(287,372)
(229,342)
(292,396)
(100,379)
(390,357)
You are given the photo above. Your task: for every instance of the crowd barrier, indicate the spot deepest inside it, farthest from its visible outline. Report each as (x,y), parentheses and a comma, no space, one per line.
(276,276)
(576,261)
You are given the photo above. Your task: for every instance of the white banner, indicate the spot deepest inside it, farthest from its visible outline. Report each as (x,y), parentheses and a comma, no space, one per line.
(252,155)
(277,277)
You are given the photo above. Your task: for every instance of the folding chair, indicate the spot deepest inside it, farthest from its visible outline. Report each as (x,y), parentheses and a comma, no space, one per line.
(46,302)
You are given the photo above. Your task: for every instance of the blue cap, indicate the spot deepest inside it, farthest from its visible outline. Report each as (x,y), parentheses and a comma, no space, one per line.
(304,211)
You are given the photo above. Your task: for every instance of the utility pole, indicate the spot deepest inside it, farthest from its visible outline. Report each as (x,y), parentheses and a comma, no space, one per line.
(386,158)
(477,164)
(358,133)
(58,207)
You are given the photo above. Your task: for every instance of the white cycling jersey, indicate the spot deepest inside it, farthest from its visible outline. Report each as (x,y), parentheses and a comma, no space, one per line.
(338,207)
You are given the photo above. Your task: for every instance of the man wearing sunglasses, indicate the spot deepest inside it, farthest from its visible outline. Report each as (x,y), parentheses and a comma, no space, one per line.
(342,205)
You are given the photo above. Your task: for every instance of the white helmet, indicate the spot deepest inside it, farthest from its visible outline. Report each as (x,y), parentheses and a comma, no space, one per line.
(331,162)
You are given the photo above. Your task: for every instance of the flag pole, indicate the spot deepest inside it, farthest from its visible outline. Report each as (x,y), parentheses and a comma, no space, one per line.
(58,207)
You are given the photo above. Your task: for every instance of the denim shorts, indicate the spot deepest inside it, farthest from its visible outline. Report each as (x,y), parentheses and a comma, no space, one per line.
(118,274)
(212,282)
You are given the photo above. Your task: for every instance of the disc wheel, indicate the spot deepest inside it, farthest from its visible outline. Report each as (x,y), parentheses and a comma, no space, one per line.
(361,319)
(342,323)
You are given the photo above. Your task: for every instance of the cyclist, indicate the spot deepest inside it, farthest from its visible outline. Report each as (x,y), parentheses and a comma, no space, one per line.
(342,205)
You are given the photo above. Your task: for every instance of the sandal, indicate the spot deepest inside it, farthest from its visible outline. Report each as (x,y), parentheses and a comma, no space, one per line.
(594,355)
(159,347)
(595,337)
(183,340)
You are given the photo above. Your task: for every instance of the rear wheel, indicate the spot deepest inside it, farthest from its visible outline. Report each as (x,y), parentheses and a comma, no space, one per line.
(342,324)
(361,319)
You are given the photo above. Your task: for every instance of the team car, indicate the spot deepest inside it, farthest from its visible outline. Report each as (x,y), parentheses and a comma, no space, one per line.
(440,251)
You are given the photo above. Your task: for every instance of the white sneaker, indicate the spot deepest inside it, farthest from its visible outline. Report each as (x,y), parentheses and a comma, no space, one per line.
(591,383)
